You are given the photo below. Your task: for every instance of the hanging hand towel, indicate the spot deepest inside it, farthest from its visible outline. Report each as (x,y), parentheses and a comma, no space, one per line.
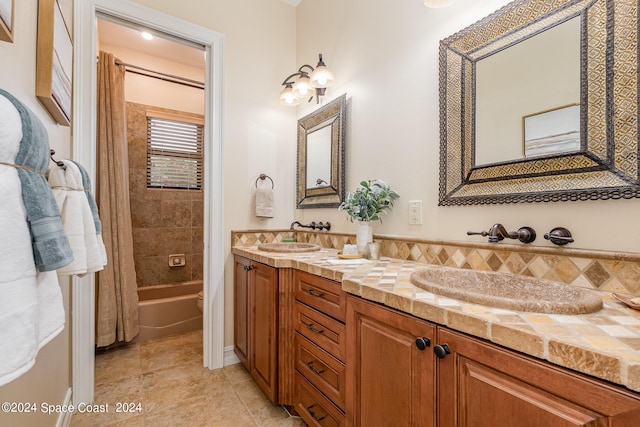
(93,206)
(51,248)
(77,220)
(264,202)
(31,308)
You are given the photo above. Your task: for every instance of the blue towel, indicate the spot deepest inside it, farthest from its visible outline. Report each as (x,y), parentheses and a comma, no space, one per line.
(86,183)
(51,249)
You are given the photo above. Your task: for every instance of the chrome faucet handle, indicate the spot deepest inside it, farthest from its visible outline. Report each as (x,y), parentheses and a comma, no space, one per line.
(559,236)
(477,233)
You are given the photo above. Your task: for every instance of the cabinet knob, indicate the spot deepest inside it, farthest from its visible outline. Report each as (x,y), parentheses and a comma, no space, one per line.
(441,350)
(423,343)
(248,268)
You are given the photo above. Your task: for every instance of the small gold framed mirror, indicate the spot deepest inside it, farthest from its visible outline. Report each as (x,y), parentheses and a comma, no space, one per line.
(320,179)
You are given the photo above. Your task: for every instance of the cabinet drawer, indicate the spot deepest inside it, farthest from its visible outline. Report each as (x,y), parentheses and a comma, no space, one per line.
(314,408)
(322,294)
(321,369)
(326,332)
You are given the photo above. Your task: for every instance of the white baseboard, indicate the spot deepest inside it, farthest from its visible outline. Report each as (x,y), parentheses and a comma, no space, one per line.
(230,357)
(64,419)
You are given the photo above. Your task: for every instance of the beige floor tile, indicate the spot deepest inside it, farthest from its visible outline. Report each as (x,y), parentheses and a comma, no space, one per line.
(236,373)
(118,364)
(172,351)
(167,378)
(262,410)
(111,394)
(168,387)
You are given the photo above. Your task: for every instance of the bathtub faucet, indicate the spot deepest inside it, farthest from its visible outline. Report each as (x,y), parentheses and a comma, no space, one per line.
(313,225)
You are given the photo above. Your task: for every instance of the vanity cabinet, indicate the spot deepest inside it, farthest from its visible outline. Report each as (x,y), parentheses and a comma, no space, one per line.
(256,322)
(320,350)
(472,382)
(391,367)
(482,384)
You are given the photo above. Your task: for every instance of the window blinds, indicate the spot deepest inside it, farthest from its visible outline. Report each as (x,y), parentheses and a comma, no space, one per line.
(174,154)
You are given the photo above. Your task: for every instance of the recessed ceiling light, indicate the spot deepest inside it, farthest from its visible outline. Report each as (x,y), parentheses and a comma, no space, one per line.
(146,35)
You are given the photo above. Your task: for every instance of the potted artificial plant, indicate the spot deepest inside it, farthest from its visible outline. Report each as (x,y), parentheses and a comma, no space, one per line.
(366,204)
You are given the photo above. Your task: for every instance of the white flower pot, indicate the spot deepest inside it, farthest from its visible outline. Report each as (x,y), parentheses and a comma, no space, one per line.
(364,235)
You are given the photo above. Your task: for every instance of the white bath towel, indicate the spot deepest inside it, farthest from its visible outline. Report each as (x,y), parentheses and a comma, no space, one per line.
(264,202)
(89,254)
(31,308)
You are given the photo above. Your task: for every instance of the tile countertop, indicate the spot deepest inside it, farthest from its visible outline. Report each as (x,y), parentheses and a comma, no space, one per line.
(605,344)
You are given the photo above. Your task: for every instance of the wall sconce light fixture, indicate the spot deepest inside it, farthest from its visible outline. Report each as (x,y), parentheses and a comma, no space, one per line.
(311,82)
(438,3)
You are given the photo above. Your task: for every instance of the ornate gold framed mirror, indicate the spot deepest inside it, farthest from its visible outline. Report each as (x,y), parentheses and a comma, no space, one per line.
(602,165)
(320,173)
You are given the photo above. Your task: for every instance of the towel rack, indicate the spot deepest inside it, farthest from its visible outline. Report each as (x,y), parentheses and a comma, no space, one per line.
(263,177)
(60,163)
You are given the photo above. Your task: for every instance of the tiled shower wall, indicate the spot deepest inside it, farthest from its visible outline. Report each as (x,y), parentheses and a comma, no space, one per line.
(165,222)
(604,271)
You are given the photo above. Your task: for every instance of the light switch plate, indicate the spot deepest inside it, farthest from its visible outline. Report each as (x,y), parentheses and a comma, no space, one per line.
(415,212)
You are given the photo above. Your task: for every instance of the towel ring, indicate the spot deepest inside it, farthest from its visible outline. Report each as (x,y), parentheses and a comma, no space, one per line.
(263,177)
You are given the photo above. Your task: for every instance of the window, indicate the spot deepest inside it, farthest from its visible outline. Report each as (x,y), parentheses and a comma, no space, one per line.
(174,153)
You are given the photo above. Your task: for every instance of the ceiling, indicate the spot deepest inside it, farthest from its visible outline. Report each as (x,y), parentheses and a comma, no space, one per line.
(161,46)
(128,36)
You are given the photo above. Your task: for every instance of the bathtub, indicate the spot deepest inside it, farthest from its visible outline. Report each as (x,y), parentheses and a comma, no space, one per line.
(168,309)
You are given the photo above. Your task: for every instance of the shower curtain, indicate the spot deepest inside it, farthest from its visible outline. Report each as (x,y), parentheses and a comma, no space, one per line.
(117,298)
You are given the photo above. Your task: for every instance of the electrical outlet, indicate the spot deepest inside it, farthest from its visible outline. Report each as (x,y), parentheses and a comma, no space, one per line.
(415,212)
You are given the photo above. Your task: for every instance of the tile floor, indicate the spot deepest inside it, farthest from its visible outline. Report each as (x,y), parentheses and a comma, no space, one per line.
(166,378)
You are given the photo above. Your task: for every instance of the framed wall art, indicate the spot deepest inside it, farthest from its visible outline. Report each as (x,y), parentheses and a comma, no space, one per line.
(554,131)
(54,62)
(6,20)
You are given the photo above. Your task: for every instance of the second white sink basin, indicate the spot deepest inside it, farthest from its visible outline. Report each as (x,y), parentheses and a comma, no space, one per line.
(510,291)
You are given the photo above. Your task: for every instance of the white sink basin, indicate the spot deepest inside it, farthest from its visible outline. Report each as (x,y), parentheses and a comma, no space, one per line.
(288,247)
(510,291)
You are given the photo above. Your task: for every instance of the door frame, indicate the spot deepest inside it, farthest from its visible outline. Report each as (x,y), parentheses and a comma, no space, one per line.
(84,150)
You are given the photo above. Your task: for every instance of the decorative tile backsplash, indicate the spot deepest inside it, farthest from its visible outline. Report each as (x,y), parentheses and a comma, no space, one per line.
(605,271)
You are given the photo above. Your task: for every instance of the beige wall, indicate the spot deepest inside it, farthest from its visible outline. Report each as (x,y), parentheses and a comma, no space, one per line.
(385,57)
(49,380)
(150,91)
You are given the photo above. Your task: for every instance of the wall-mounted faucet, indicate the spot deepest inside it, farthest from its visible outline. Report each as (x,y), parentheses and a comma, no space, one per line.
(559,236)
(497,232)
(313,225)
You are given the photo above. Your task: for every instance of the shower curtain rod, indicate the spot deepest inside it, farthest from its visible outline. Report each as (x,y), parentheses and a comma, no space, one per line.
(161,76)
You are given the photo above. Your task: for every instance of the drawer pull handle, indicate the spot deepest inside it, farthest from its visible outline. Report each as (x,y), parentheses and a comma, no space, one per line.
(314,293)
(313,414)
(313,329)
(313,369)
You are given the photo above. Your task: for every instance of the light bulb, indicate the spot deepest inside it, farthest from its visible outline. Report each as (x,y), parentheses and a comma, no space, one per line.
(287,97)
(302,87)
(322,77)
(146,35)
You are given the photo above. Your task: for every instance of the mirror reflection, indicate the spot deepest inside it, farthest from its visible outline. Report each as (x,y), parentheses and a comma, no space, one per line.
(319,157)
(520,84)
(320,181)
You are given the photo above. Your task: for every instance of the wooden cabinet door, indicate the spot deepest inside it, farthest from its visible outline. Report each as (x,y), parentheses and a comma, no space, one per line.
(481,384)
(241,316)
(390,381)
(264,328)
